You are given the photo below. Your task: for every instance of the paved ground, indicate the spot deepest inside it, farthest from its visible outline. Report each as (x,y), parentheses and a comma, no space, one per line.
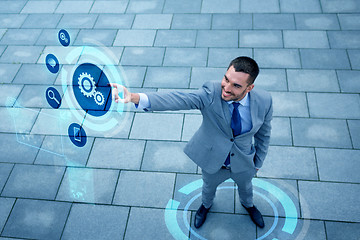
(135,182)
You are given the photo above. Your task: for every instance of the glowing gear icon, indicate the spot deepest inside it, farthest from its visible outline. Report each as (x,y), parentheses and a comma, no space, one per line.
(99,98)
(86,84)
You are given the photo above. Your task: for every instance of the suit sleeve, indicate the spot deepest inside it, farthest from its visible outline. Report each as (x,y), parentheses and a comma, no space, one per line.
(262,138)
(177,100)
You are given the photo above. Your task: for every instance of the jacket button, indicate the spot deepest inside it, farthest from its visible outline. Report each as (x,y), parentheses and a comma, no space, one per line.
(232,139)
(232,154)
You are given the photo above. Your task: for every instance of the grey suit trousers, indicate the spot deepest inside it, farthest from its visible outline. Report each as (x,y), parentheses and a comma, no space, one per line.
(242,179)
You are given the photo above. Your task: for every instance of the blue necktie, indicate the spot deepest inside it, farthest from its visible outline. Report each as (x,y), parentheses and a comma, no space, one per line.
(235,125)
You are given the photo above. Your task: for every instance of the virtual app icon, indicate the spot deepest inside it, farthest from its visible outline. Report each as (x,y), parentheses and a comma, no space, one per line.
(77,135)
(53,97)
(91,89)
(52,63)
(64,37)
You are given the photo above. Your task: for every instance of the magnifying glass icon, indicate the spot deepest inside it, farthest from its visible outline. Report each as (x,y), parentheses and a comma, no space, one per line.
(51,95)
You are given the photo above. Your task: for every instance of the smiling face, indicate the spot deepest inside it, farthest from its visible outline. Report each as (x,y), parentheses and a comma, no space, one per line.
(235,85)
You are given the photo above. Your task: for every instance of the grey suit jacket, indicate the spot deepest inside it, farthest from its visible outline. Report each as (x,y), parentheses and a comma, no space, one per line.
(214,140)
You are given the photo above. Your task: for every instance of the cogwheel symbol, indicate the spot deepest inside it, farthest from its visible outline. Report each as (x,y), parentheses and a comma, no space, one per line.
(86,84)
(99,98)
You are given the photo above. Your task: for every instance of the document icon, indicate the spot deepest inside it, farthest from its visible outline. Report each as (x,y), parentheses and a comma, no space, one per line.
(77,134)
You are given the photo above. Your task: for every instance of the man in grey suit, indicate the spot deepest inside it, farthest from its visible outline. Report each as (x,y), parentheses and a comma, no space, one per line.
(234,136)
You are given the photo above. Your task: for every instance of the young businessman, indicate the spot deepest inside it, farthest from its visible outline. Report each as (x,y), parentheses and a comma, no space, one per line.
(234,136)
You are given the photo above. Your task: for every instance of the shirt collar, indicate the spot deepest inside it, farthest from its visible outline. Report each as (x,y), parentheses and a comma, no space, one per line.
(243,102)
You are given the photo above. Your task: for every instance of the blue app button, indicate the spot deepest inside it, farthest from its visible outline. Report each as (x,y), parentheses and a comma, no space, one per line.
(77,135)
(64,37)
(53,97)
(52,63)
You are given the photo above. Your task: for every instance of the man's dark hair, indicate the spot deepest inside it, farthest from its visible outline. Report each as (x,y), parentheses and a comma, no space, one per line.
(246,65)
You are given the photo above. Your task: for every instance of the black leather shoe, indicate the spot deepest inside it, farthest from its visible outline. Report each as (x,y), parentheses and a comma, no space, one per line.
(200,216)
(256,216)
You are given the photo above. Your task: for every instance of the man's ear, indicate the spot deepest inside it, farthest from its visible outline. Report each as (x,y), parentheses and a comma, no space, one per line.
(250,87)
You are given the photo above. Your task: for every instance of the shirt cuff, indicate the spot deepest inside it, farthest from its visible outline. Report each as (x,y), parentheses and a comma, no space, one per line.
(144,102)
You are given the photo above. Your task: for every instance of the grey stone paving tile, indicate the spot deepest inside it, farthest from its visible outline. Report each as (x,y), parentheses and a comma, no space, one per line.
(324,59)
(11,6)
(5,208)
(60,151)
(217,38)
(273,21)
(354,56)
(290,162)
(323,204)
(232,21)
(300,6)
(151,221)
(77,21)
(30,181)
(152,21)
(225,6)
(9,90)
(5,170)
(114,21)
(320,133)
(2,49)
(317,21)
(306,229)
(354,127)
(18,120)
(40,7)
(49,37)
(277,58)
(191,21)
(41,20)
(111,59)
(192,123)
(21,149)
(260,38)
(272,80)
(20,36)
(305,39)
(289,104)
(259,6)
(116,153)
(342,231)
(349,21)
(183,180)
(142,56)
(167,156)
(147,189)
(281,131)
(157,126)
(88,185)
(192,57)
(175,38)
(185,6)
(37,219)
(34,74)
(12,20)
(34,96)
(221,57)
(55,121)
(134,75)
(338,165)
(74,7)
(344,39)
(312,80)
(200,75)
(143,6)
(109,6)
(95,37)
(135,38)
(334,105)
(2,32)
(96,222)
(340,6)
(348,81)
(235,225)
(21,54)
(169,77)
